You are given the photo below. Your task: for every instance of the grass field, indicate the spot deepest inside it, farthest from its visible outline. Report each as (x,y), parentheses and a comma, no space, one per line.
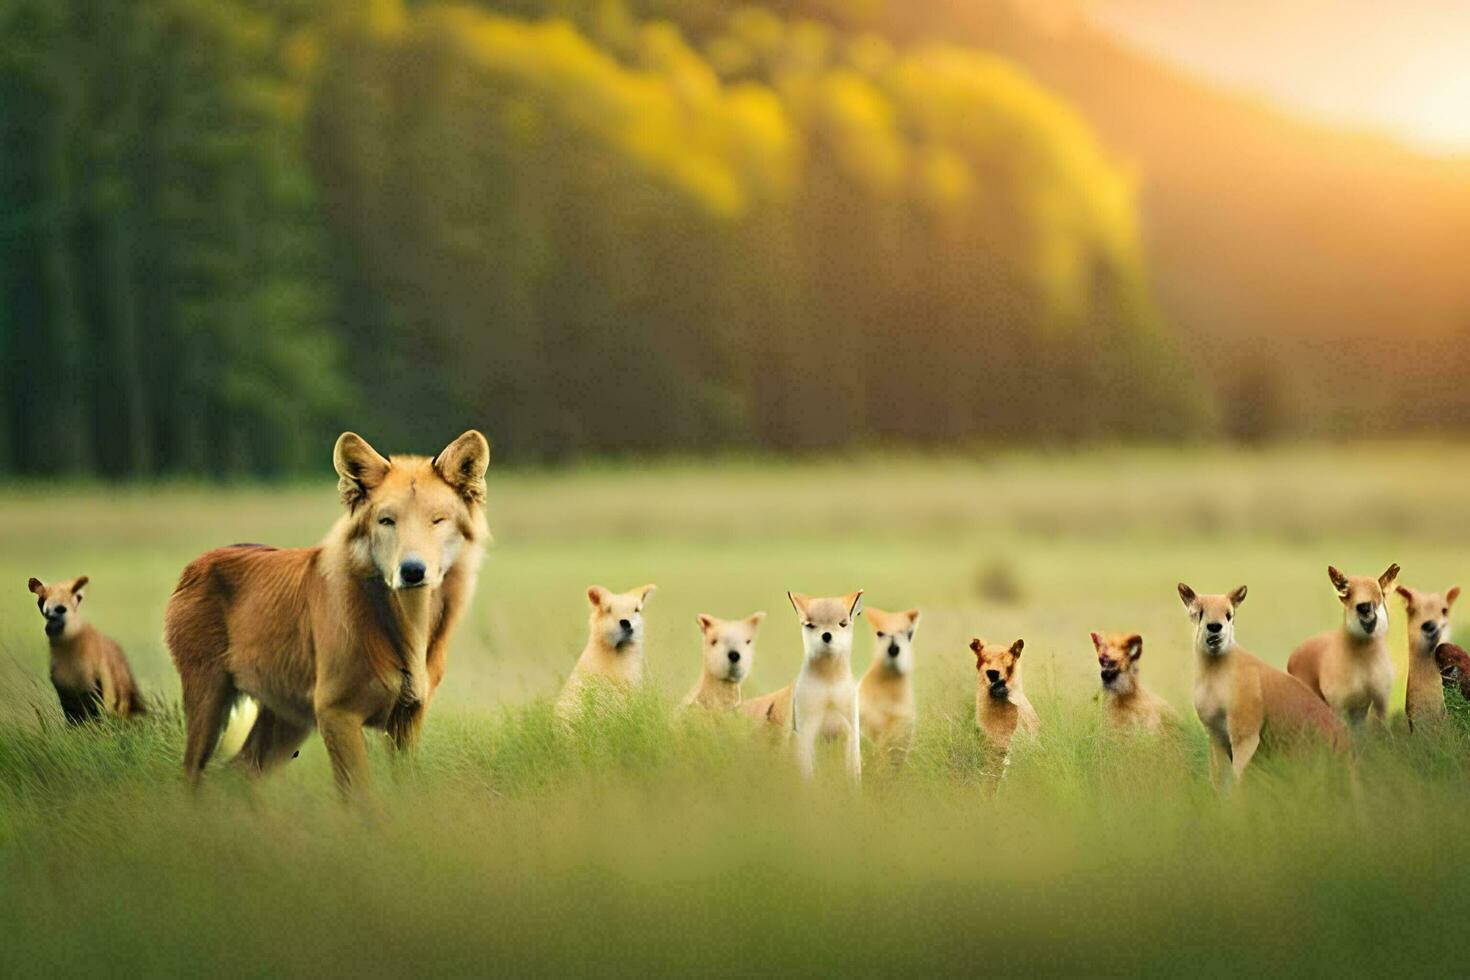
(646,843)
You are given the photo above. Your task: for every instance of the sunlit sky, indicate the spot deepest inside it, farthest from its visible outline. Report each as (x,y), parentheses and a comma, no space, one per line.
(1396,66)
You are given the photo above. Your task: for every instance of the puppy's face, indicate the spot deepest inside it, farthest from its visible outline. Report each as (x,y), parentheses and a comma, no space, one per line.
(58,603)
(893,638)
(1429,616)
(729,645)
(996,666)
(826,624)
(617,618)
(1365,613)
(1117,660)
(1213,617)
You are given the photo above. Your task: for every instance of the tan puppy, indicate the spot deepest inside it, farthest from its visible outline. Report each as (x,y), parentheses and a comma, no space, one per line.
(1127,704)
(1428,614)
(1349,668)
(886,692)
(88,669)
(1000,705)
(728,650)
(614,650)
(1238,698)
(824,699)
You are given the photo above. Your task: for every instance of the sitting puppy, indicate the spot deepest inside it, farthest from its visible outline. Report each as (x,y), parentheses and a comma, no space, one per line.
(1000,705)
(88,669)
(886,692)
(728,652)
(1454,667)
(1428,614)
(1127,704)
(614,650)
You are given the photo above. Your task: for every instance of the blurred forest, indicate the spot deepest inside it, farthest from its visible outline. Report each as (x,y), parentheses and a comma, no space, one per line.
(229,228)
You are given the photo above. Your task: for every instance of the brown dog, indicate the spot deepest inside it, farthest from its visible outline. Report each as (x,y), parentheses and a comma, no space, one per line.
(1349,667)
(1454,667)
(351,633)
(88,669)
(1001,707)
(1127,704)
(1428,614)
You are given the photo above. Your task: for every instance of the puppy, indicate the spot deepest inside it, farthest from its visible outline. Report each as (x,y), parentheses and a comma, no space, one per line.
(886,692)
(1238,698)
(824,700)
(728,649)
(1127,704)
(614,650)
(1001,707)
(1428,614)
(88,669)
(1454,667)
(1349,668)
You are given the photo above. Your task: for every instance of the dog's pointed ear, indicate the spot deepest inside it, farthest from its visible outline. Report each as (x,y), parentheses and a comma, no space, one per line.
(1097,641)
(1017,647)
(1339,580)
(644,591)
(1238,596)
(1407,596)
(36,586)
(705,622)
(1134,646)
(1388,577)
(79,584)
(597,595)
(854,602)
(756,618)
(913,615)
(1449,597)
(801,602)
(977,647)
(1187,596)
(463,463)
(360,468)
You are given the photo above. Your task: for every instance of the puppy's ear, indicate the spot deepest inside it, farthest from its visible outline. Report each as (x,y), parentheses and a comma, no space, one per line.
(644,591)
(36,586)
(597,595)
(79,584)
(913,615)
(463,463)
(1339,580)
(977,646)
(1237,597)
(854,601)
(1016,648)
(1097,641)
(1449,597)
(359,468)
(705,622)
(755,619)
(801,602)
(1406,595)
(1388,577)
(1134,646)
(1187,596)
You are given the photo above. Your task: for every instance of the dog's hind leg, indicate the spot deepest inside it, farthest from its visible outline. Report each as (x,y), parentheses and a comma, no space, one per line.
(207,700)
(272,741)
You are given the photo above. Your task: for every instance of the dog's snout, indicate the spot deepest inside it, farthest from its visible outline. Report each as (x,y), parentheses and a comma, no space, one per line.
(1215,627)
(734,656)
(412,570)
(625,624)
(1430,628)
(57,612)
(893,649)
(1365,609)
(993,676)
(826,637)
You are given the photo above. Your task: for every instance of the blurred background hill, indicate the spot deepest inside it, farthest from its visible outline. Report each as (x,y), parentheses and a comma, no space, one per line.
(229,228)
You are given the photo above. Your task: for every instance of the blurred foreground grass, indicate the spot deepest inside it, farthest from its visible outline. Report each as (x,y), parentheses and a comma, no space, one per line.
(643,843)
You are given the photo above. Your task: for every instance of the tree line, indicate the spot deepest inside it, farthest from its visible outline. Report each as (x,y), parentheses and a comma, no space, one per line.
(232,227)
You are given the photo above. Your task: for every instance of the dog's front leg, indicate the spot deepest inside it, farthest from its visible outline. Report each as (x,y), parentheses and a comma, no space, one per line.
(342,732)
(1242,749)
(854,746)
(806,746)
(1219,764)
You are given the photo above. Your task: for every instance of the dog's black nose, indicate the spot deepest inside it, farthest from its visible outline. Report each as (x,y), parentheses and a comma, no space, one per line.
(993,676)
(59,611)
(893,649)
(1215,627)
(1430,628)
(734,656)
(1365,609)
(625,624)
(826,637)
(412,571)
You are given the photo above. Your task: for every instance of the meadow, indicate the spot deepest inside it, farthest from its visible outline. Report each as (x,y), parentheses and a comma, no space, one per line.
(645,842)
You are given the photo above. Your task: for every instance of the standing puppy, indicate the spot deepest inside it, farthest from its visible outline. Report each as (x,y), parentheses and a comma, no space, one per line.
(1428,614)
(824,699)
(728,653)
(1000,705)
(1238,698)
(1349,668)
(88,669)
(886,692)
(614,650)
(1126,702)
